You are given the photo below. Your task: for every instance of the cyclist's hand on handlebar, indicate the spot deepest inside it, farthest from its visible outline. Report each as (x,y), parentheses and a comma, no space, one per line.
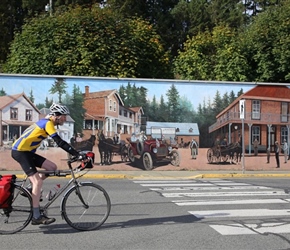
(82,157)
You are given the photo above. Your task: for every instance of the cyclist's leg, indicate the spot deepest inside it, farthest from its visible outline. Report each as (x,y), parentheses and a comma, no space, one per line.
(29,161)
(49,166)
(36,182)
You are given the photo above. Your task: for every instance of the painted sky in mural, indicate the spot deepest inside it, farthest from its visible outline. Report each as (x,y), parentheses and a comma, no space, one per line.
(197,93)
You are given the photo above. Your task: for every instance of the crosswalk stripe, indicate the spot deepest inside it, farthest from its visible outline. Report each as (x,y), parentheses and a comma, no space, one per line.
(208,188)
(231,202)
(261,228)
(240,213)
(212,193)
(256,193)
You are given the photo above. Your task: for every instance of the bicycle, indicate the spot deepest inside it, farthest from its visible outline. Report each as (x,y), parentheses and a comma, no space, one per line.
(85,206)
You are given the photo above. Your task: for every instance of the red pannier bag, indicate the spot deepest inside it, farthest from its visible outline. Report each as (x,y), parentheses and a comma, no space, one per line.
(6,190)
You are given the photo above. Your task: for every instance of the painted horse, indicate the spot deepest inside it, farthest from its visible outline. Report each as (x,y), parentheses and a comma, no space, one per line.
(85,145)
(105,146)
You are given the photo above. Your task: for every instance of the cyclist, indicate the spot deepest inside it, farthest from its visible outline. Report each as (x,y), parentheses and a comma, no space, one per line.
(24,152)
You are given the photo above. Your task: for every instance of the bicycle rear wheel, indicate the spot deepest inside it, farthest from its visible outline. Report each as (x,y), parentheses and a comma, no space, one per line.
(16,218)
(86,207)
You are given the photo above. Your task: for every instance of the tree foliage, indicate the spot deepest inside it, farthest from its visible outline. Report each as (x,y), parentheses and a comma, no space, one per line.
(2,92)
(88,42)
(266,45)
(212,56)
(77,112)
(59,88)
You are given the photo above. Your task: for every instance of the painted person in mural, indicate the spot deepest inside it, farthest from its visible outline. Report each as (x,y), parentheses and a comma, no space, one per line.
(256,144)
(285,150)
(277,152)
(193,149)
(79,137)
(116,139)
(24,152)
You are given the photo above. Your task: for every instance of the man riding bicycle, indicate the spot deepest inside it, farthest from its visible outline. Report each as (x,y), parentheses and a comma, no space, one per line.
(24,148)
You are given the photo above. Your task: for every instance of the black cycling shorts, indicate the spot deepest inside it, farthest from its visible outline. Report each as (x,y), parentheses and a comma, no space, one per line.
(28,161)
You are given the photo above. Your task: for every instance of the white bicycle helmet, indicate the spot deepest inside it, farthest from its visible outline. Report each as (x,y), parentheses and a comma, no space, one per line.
(58,109)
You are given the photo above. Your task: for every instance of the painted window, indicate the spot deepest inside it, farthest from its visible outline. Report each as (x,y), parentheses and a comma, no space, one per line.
(28,115)
(284,112)
(256,133)
(14,113)
(284,134)
(256,110)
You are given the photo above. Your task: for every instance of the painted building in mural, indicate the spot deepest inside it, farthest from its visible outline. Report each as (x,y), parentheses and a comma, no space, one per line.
(105,111)
(265,118)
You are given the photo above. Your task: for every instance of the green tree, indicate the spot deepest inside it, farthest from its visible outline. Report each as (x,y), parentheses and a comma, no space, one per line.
(163,114)
(226,100)
(40,106)
(226,12)
(59,88)
(11,20)
(173,104)
(31,97)
(142,99)
(48,103)
(266,45)
(77,112)
(88,42)
(2,92)
(232,96)
(240,92)
(212,55)
(187,113)
(153,110)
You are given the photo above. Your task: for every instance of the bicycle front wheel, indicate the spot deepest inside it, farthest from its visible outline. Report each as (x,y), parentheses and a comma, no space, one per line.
(86,207)
(18,216)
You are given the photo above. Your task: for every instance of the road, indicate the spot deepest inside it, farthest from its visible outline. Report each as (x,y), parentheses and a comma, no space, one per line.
(176,214)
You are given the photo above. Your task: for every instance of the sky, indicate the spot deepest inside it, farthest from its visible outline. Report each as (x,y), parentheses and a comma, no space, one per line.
(195,91)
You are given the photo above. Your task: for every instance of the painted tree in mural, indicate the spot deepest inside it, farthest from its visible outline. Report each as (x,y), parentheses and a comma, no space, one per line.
(59,88)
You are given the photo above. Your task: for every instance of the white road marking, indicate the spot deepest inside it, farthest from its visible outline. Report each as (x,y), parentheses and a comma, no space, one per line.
(240,213)
(208,188)
(263,228)
(197,193)
(216,194)
(230,202)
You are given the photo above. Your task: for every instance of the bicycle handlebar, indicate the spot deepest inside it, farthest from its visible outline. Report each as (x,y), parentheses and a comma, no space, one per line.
(63,173)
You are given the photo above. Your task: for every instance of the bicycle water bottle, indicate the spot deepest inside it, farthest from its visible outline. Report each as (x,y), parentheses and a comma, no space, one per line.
(53,192)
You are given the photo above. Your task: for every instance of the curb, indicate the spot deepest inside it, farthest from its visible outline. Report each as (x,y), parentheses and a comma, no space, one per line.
(199,176)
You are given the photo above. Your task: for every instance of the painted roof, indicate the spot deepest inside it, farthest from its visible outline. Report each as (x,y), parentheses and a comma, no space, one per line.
(181,128)
(265,92)
(104,94)
(8,99)
(137,109)
(270,91)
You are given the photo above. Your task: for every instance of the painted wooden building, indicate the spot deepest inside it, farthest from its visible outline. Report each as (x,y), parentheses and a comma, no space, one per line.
(105,110)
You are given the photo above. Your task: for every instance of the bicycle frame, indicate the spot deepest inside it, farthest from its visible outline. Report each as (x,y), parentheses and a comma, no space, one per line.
(62,173)
(85,206)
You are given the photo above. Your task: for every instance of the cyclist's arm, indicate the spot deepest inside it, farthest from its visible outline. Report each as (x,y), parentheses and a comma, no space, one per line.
(64,145)
(50,130)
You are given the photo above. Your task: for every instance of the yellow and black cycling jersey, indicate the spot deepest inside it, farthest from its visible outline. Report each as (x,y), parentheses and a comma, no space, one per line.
(32,137)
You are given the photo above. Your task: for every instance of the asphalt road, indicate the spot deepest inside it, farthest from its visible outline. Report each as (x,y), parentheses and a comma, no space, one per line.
(176,214)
